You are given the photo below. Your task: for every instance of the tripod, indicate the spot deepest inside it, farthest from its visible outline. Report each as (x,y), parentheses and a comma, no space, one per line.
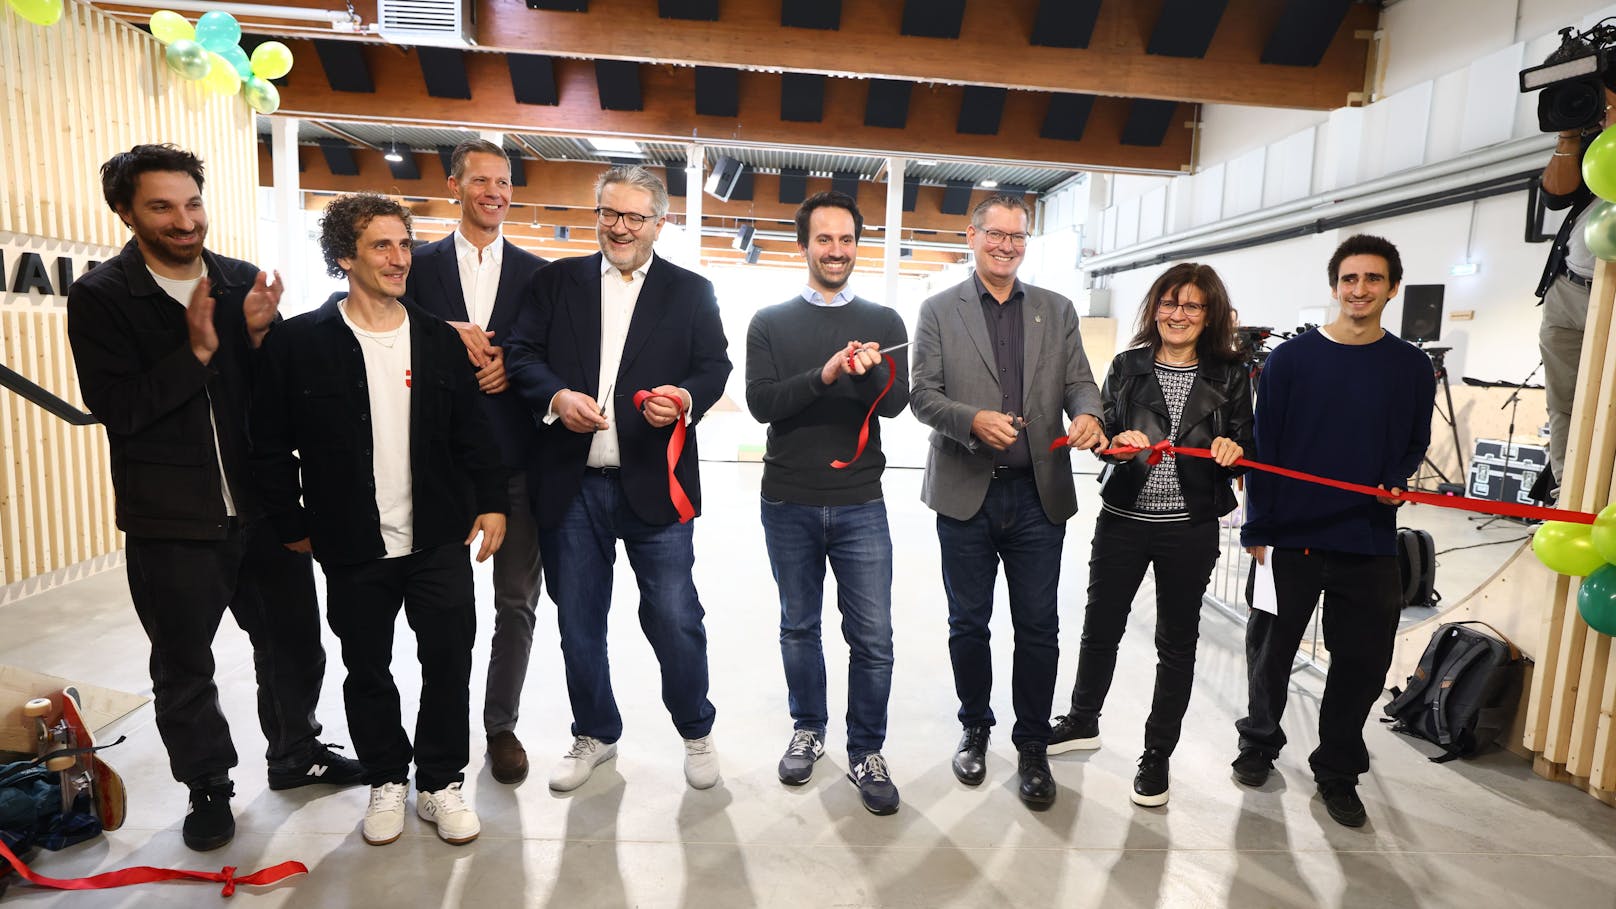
(1437,355)
(1513,402)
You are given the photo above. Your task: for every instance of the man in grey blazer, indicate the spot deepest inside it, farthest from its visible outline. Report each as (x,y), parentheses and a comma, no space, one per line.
(998,367)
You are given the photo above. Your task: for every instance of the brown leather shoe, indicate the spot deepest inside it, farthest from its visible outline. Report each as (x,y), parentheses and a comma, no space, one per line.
(507,759)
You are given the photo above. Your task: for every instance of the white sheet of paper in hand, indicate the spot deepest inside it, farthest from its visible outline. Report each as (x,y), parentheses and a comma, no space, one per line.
(1263,596)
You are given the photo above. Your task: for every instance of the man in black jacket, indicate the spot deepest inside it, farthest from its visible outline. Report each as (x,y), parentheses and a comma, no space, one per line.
(162,337)
(372,394)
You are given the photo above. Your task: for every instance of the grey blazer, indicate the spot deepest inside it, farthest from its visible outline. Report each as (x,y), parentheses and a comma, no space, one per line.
(954,376)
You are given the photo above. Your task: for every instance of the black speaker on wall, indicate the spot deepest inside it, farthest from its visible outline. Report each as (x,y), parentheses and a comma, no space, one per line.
(1422,312)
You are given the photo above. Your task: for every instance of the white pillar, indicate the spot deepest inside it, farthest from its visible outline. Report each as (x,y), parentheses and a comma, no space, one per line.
(289,251)
(695,176)
(894,229)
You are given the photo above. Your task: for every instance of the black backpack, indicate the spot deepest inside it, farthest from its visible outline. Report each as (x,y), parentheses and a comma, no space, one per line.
(1416,567)
(1464,692)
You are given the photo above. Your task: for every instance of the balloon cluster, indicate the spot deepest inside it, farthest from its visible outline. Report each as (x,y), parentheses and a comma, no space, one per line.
(210,52)
(1587,552)
(1599,172)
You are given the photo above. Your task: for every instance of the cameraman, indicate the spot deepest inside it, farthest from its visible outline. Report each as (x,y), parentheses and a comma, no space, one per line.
(1567,278)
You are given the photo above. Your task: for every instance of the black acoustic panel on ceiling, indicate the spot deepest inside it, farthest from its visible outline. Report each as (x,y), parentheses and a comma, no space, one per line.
(802,97)
(560,6)
(404,168)
(743,186)
(793,185)
(845,183)
(446,155)
(1064,23)
(339,157)
(822,14)
(957,197)
(673,176)
(1148,121)
(1067,116)
(1422,312)
(619,84)
(911,193)
(699,10)
(1185,27)
(533,79)
(518,169)
(887,104)
(933,18)
(718,91)
(444,69)
(980,110)
(344,65)
(1304,32)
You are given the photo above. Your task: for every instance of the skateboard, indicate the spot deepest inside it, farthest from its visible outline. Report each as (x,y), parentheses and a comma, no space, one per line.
(67,746)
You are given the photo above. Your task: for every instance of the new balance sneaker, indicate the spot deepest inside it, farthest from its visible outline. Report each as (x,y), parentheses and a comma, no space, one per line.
(1073,733)
(869,773)
(208,821)
(579,762)
(324,766)
(807,746)
(447,808)
(1150,783)
(1252,767)
(384,817)
(701,762)
(1341,800)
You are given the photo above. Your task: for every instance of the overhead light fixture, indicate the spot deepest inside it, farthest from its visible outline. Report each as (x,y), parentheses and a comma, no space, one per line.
(989,184)
(616,146)
(1464,268)
(924,162)
(392,146)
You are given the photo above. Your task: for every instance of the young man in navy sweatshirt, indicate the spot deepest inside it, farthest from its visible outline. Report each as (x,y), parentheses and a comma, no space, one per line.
(1350,401)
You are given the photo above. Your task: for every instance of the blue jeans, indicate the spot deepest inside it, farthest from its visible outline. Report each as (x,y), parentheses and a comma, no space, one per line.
(1011,526)
(855,540)
(578,557)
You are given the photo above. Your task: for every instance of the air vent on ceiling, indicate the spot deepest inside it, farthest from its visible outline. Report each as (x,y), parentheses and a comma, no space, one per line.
(437,23)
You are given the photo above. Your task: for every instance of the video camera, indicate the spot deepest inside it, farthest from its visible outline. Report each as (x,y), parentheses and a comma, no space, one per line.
(1573,79)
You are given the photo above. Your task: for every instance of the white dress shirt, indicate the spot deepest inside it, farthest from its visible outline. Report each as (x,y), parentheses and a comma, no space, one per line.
(842,298)
(479,275)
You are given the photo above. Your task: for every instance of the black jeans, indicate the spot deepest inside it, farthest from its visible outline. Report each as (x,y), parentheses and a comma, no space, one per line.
(1361,609)
(181,589)
(362,602)
(1181,555)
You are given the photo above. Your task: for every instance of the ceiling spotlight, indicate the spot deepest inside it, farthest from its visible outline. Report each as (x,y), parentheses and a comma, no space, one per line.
(393,155)
(989,184)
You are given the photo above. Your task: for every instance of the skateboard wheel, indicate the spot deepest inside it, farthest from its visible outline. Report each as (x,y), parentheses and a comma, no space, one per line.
(60,763)
(36,707)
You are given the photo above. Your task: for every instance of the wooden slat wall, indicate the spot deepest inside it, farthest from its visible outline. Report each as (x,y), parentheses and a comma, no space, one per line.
(71,95)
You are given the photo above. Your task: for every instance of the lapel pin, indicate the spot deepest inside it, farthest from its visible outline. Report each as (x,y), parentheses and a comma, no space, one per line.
(1038,318)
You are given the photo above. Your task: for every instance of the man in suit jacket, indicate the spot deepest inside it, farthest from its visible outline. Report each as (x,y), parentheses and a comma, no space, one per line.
(473,279)
(597,330)
(996,363)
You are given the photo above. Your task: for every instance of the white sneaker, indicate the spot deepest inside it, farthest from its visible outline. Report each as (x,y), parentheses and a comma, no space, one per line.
(579,762)
(447,808)
(384,818)
(701,763)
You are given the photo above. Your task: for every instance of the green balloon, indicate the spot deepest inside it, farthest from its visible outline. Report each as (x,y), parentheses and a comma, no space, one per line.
(39,12)
(261,95)
(1604,533)
(1599,231)
(1567,548)
(188,58)
(1596,601)
(218,30)
(1599,165)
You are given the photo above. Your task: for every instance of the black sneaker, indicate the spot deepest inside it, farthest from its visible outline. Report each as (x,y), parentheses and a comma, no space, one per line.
(324,767)
(1252,767)
(797,764)
(1069,733)
(869,773)
(208,821)
(1150,783)
(1341,800)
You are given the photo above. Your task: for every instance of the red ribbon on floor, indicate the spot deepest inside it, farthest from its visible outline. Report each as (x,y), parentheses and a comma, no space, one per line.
(676,447)
(145,874)
(864,430)
(1463,503)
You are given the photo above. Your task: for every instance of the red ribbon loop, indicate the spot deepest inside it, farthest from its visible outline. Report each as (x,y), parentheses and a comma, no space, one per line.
(676,447)
(864,429)
(145,874)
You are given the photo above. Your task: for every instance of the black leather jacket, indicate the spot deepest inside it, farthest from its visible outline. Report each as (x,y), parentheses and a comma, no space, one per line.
(1219,405)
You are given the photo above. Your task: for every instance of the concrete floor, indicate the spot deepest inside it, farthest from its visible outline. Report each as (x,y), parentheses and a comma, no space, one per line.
(1477,833)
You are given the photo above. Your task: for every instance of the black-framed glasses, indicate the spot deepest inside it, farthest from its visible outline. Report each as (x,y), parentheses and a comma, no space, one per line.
(1190,309)
(633,220)
(999,237)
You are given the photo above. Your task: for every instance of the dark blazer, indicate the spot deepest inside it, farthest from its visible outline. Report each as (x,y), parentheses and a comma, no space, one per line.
(140,379)
(311,397)
(1219,405)
(675,338)
(434,285)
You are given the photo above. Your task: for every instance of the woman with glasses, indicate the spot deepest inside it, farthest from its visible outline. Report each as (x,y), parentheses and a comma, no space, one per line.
(1183,379)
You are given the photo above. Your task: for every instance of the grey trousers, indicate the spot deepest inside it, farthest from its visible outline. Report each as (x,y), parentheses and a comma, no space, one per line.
(516,593)
(1565,315)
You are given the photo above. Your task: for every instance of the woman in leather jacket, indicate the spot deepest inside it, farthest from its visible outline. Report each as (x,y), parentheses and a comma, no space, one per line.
(1184,379)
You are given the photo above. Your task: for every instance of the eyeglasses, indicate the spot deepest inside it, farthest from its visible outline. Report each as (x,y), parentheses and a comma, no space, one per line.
(632,220)
(998,237)
(1190,309)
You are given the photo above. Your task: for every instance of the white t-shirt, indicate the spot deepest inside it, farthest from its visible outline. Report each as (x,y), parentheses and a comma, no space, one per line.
(387,377)
(181,291)
(1579,258)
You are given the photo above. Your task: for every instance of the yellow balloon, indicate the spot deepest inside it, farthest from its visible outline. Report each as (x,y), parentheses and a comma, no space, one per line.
(39,12)
(168,26)
(221,78)
(271,60)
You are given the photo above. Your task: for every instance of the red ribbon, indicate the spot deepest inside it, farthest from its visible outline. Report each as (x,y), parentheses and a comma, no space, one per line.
(1463,503)
(676,447)
(864,430)
(145,874)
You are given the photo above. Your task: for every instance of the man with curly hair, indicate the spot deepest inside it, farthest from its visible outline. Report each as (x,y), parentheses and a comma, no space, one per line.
(371,393)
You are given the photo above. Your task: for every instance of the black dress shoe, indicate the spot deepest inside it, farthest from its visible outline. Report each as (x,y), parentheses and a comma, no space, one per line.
(971,758)
(1037,782)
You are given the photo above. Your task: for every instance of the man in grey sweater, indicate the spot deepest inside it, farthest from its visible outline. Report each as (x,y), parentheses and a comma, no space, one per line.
(814,369)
